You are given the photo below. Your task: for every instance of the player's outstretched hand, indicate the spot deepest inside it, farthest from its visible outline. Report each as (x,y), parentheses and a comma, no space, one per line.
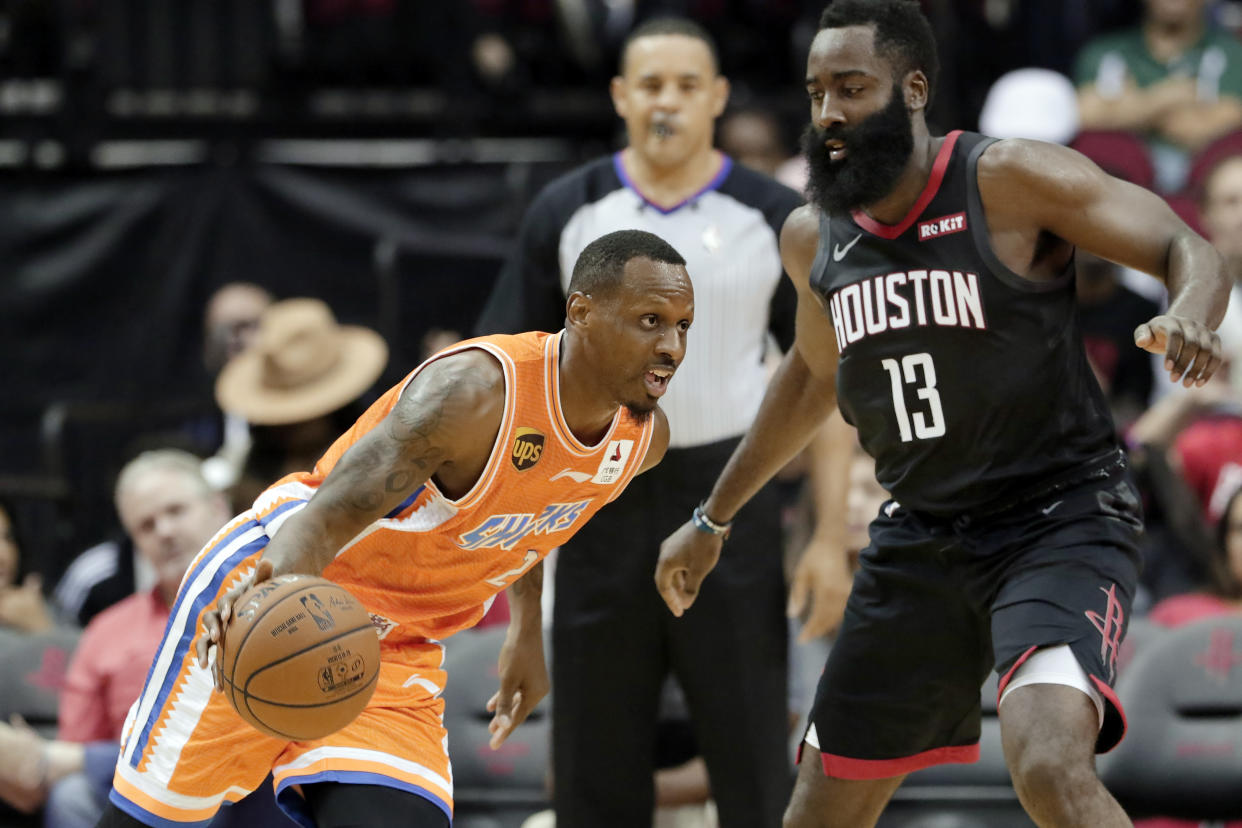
(686,556)
(216,618)
(523,684)
(1191,349)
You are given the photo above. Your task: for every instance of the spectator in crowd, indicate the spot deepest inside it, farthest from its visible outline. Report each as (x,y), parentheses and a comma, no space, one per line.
(1109,312)
(298,385)
(1223,592)
(753,137)
(1220,210)
(231,322)
(1176,79)
(22,606)
(112,569)
(230,325)
(670,180)
(170,512)
(1202,430)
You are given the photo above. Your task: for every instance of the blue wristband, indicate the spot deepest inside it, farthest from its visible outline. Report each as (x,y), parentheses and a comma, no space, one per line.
(705,524)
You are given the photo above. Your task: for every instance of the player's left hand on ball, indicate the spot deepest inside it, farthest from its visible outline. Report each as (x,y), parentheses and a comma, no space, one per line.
(216,618)
(523,684)
(1191,349)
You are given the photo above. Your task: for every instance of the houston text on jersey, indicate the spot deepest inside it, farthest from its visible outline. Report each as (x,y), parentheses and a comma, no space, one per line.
(898,300)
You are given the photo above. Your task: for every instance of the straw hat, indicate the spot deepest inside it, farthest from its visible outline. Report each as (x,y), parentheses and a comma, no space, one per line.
(301,365)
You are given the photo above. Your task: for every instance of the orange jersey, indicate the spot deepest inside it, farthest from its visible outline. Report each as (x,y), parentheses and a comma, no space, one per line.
(432,566)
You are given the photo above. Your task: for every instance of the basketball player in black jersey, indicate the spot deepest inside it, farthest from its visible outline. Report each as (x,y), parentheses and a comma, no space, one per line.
(936,307)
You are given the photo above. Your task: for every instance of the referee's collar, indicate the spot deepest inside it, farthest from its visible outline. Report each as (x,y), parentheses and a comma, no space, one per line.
(726,166)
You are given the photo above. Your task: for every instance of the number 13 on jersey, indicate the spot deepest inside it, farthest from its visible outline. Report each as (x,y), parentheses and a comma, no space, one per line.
(919,371)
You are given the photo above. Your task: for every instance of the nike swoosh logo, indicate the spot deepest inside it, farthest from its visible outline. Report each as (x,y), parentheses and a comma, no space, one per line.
(1048,510)
(576,476)
(838,252)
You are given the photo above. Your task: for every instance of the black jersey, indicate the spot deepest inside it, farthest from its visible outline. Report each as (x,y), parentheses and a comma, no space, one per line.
(968,383)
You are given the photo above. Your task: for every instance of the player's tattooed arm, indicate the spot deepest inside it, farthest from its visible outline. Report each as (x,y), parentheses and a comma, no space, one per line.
(444,424)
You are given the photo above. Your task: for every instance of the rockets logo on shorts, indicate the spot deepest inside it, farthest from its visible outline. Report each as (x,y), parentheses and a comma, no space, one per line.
(613,464)
(527,448)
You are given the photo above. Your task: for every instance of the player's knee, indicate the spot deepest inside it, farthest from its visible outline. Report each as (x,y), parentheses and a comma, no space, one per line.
(801,811)
(803,817)
(1043,771)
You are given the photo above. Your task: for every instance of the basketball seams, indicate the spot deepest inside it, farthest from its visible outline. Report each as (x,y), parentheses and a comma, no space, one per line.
(302,651)
(251,697)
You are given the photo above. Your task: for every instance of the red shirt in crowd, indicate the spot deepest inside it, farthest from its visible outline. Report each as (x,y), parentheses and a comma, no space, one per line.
(109,666)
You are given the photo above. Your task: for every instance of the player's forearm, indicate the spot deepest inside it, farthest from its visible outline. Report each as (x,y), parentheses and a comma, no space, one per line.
(1159,424)
(1197,279)
(831,451)
(1132,110)
(526,603)
(306,544)
(1195,126)
(793,408)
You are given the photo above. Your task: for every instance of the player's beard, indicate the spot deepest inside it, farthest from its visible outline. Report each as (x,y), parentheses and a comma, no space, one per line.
(641,412)
(877,150)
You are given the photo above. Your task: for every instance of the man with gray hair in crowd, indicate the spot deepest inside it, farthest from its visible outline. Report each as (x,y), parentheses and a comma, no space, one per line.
(170,512)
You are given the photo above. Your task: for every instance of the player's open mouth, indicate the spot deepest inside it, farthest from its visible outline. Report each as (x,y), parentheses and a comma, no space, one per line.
(657,380)
(836,150)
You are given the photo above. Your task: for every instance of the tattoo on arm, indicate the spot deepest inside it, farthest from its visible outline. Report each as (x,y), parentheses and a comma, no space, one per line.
(408,446)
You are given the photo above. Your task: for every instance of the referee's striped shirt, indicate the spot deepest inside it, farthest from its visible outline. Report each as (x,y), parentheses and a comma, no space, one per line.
(728,234)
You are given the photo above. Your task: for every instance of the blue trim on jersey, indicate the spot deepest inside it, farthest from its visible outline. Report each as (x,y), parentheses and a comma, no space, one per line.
(405,504)
(147,818)
(200,602)
(295,806)
(267,519)
(725,169)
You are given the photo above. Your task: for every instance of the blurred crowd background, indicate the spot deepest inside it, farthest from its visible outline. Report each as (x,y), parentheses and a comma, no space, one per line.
(186,184)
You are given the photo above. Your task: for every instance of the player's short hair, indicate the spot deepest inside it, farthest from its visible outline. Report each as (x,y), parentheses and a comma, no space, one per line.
(902,33)
(601,265)
(166,459)
(669,26)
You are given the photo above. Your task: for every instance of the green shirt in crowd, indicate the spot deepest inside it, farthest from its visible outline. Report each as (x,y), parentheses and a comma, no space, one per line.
(1215,62)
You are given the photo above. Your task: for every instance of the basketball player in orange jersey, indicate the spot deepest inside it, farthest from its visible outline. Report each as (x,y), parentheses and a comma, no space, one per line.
(451,487)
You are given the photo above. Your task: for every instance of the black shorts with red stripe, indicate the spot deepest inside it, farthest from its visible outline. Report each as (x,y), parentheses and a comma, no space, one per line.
(937,602)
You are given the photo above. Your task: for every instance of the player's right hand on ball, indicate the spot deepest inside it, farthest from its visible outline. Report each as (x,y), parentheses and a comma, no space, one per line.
(686,556)
(216,618)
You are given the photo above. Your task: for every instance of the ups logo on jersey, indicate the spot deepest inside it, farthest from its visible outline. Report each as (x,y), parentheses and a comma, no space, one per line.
(527,448)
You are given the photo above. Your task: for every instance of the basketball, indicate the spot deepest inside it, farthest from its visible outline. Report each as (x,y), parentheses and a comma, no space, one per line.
(300,658)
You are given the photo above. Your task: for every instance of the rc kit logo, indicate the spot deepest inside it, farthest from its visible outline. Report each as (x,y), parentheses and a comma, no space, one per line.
(943,226)
(527,448)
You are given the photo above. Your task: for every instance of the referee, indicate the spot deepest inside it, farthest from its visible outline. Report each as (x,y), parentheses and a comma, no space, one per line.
(613,641)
